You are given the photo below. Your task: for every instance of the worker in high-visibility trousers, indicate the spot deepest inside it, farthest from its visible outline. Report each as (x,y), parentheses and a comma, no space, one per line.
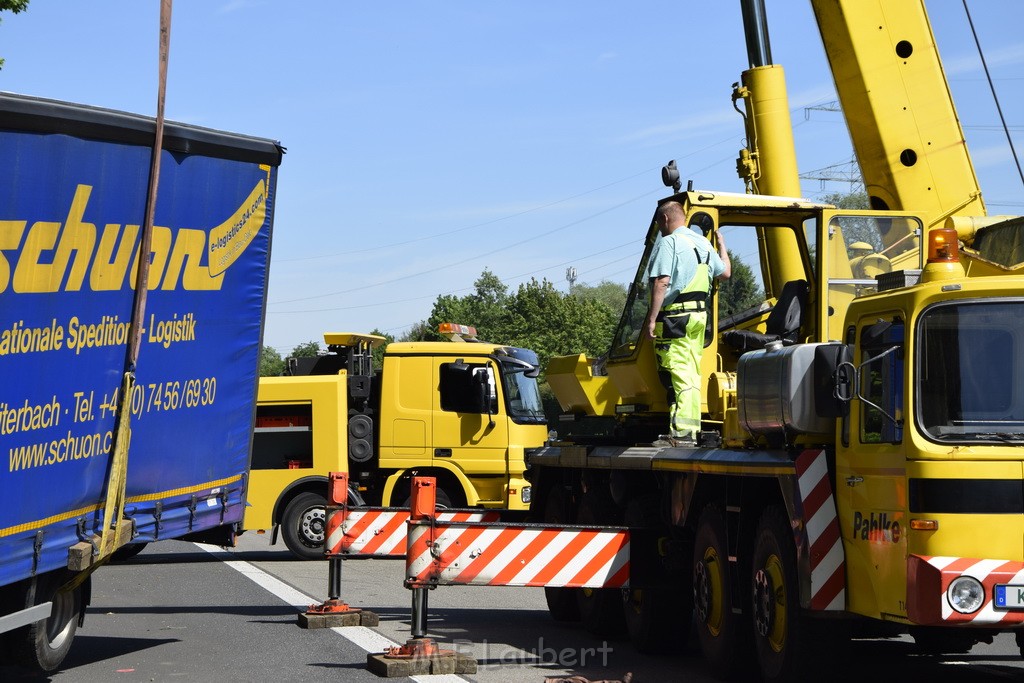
(682,266)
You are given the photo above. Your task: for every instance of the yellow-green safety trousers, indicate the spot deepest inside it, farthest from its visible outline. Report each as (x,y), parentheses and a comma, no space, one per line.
(678,345)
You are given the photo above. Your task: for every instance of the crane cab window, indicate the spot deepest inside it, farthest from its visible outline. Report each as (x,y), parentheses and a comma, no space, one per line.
(881,382)
(970,357)
(862,247)
(741,233)
(857,250)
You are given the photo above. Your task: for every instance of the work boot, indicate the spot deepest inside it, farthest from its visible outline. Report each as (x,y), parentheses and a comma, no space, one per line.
(668,441)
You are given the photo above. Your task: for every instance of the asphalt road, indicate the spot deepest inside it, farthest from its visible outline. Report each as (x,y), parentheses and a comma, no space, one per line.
(182,612)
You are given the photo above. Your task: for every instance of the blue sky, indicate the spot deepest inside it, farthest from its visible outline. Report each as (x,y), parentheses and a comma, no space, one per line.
(429,141)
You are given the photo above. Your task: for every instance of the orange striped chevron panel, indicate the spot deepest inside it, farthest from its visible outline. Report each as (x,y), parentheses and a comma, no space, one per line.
(452,553)
(381,532)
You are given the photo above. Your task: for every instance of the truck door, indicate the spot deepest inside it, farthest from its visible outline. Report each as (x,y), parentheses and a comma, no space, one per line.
(470,425)
(871,473)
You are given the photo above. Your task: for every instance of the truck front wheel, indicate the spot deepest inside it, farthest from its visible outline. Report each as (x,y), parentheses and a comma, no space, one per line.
(303,526)
(44,644)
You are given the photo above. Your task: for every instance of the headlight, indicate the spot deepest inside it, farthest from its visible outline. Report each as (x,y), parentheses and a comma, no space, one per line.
(966,594)
(527,494)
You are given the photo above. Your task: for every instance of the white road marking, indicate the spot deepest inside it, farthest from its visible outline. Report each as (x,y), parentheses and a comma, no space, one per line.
(362,637)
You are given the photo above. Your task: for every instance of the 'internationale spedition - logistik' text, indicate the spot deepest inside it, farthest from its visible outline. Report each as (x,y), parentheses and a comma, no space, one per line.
(77,335)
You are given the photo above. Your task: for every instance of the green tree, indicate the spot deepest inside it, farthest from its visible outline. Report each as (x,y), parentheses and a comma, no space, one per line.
(536,316)
(13,6)
(271,363)
(849,200)
(490,290)
(551,323)
(483,309)
(310,349)
(417,332)
(856,229)
(378,353)
(740,291)
(611,294)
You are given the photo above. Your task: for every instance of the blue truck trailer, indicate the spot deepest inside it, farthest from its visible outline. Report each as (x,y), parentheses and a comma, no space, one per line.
(174,440)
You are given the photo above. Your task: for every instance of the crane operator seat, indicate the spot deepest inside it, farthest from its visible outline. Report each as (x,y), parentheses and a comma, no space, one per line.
(783,322)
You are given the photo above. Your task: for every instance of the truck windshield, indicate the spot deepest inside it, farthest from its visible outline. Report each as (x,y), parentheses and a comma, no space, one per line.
(522,392)
(970,357)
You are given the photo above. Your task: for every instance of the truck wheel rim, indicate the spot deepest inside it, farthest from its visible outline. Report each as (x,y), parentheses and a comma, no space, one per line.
(312,524)
(708,588)
(61,616)
(770,603)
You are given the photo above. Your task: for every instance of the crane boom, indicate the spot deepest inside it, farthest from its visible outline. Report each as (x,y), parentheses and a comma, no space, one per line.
(890,81)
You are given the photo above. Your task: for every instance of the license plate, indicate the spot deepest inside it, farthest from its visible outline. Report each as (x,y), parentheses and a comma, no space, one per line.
(1009,596)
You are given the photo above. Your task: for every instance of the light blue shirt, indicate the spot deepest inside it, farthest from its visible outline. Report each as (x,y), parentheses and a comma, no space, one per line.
(674,256)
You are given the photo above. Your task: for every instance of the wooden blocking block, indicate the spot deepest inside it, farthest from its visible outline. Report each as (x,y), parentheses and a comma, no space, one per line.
(80,556)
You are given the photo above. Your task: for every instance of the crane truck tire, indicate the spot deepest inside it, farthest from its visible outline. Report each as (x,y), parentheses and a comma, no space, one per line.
(600,608)
(780,632)
(303,525)
(718,629)
(44,644)
(562,602)
(657,617)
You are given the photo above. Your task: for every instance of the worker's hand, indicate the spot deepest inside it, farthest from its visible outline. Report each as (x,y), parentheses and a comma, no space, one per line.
(649,324)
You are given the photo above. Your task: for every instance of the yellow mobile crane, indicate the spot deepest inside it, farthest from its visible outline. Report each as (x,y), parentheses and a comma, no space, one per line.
(904,126)
(858,429)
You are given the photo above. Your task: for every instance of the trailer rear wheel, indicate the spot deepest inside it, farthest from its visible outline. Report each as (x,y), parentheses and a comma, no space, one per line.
(780,634)
(717,627)
(303,526)
(562,602)
(600,608)
(44,644)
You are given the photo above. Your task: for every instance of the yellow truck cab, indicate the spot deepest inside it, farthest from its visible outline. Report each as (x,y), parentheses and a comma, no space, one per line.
(463,411)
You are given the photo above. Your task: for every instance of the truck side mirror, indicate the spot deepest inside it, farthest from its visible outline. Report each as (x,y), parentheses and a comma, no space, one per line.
(832,380)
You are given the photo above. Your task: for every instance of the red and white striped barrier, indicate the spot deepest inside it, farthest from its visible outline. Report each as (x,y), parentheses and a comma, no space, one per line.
(828,562)
(453,553)
(381,532)
(928,580)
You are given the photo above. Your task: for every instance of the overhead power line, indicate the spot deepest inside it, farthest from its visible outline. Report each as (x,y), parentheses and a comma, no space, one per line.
(844,172)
